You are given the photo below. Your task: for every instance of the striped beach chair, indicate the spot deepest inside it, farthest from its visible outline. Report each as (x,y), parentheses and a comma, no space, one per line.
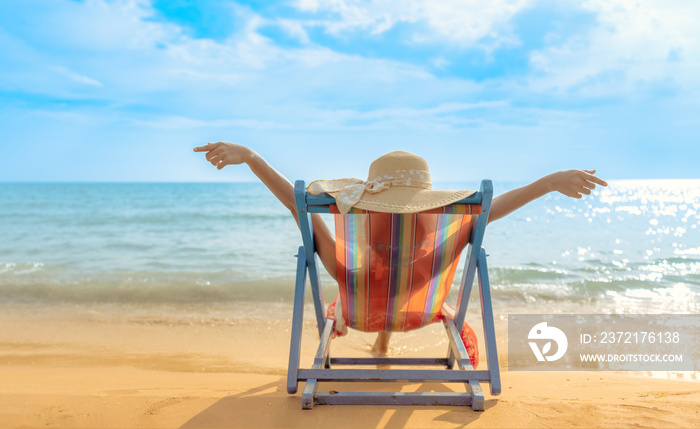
(394,273)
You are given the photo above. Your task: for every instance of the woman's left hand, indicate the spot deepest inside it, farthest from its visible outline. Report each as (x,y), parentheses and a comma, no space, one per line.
(574,183)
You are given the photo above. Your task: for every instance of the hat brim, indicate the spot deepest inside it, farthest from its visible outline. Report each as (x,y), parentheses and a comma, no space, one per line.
(400,199)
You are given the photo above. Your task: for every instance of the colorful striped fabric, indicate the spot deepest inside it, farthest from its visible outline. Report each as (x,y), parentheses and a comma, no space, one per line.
(395,270)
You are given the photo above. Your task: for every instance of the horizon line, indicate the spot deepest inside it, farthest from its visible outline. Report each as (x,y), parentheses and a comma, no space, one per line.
(116,182)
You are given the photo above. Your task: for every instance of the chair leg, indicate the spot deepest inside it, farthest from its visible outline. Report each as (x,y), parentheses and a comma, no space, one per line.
(474,388)
(307,398)
(489,325)
(450,357)
(464,364)
(297,324)
(321,360)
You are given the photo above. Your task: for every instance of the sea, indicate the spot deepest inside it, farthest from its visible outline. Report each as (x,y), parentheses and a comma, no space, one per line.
(633,247)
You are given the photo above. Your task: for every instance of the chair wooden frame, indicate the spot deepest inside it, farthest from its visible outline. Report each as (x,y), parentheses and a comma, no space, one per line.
(322,369)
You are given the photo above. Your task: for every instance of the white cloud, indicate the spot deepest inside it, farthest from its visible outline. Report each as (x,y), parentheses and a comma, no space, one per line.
(293,28)
(64,71)
(463,23)
(170,123)
(632,48)
(120,25)
(249,81)
(442,116)
(440,63)
(636,43)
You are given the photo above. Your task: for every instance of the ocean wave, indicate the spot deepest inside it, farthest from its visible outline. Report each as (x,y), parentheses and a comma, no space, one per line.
(37,283)
(139,289)
(517,275)
(658,284)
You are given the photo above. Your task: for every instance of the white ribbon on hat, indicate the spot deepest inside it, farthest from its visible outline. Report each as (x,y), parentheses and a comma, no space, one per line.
(351,190)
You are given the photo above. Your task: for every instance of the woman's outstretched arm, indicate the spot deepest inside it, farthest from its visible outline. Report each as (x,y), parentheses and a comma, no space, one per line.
(572,183)
(222,154)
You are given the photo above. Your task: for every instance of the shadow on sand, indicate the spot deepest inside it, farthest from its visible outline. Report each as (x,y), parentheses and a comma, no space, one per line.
(269,405)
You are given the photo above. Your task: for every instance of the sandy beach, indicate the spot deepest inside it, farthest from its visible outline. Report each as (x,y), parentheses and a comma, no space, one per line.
(110,367)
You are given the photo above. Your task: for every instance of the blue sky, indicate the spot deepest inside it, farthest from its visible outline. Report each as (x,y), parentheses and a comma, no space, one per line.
(101,90)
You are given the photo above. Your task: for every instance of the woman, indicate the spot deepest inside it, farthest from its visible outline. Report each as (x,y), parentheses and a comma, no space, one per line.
(572,183)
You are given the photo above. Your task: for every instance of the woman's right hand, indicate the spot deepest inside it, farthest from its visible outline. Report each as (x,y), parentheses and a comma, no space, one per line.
(221,154)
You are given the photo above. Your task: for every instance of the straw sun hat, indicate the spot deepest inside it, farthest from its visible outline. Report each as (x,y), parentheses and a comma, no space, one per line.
(398,182)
